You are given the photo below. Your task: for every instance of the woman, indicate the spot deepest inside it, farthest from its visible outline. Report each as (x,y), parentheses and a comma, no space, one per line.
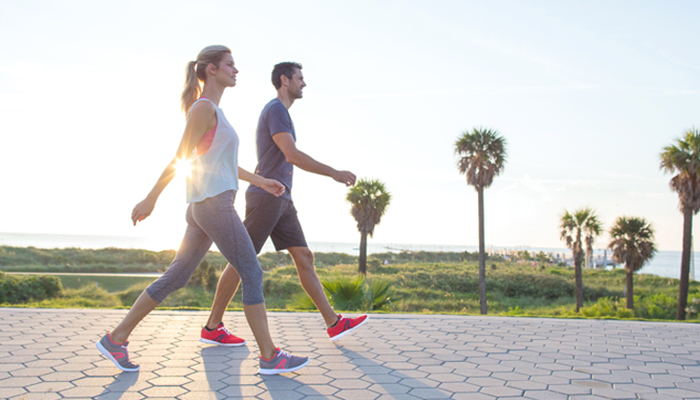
(211,144)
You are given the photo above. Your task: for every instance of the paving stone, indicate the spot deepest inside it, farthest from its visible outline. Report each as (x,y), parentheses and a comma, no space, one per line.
(459,387)
(570,389)
(473,396)
(7,392)
(430,393)
(49,387)
(486,382)
(680,393)
(382,378)
(38,396)
(614,394)
(398,357)
(169,381)
(526,385)
(202,395)
(317,390)
(502,391)
(164,391)
(87,391)
(121,396)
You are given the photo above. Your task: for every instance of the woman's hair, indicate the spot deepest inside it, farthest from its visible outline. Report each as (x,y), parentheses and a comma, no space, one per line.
(197,72)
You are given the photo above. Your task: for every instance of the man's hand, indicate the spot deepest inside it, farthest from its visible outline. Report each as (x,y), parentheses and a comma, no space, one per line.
(273,187)
(346,177)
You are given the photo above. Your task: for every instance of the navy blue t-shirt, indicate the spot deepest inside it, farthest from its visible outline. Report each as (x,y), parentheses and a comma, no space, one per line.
(272,164)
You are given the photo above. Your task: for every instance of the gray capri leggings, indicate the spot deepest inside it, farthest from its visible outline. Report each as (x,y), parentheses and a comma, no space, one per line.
(213,220)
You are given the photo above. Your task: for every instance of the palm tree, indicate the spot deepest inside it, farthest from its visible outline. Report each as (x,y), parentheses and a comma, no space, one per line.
(582,224)
(369,199)
(632,244)
(482,155)
(684,161)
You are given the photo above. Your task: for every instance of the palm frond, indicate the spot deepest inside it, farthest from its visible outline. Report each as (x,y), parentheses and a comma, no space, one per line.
(683,159)
(632,242)
(345,293)
(302,301)
(482,155)
(377,293)
(369,201)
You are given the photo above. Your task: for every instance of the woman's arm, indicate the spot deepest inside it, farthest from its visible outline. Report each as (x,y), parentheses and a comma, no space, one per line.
(269,185)
(202,118)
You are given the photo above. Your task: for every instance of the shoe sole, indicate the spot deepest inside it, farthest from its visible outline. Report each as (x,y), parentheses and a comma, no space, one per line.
(340,335)
(284,370)
(207,341)
(111,358)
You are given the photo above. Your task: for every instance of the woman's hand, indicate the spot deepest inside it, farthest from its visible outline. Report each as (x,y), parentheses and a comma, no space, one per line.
(142,210)
(273,187)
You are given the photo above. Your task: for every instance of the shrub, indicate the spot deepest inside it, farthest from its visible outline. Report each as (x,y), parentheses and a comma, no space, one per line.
(301,301)
(271,260)
(376,293)
(607,307)
(354,294)
(657,306)
(345,293)
(129,296)
(16,289)
(326,259)
(693,307)
(204,276)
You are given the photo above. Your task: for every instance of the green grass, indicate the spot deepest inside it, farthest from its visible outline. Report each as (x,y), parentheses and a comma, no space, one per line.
(449,284)
(109,283)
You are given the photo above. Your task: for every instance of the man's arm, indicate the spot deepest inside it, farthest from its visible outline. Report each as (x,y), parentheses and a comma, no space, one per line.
(294,156)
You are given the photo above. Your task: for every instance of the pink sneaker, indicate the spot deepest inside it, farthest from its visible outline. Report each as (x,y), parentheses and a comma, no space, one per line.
(220,337)
(345,326)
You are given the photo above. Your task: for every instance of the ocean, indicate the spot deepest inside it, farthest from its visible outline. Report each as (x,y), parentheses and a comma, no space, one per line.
(665,263)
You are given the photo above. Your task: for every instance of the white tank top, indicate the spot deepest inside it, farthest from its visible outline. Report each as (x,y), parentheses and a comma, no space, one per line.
(215,171)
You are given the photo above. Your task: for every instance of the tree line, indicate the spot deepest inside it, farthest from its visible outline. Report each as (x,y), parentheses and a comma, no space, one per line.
(482,155)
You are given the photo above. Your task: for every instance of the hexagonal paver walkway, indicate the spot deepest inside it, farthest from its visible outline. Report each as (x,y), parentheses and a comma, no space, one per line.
(50,354)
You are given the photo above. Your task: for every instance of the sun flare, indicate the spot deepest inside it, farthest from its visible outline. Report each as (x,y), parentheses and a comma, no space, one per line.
(183,168)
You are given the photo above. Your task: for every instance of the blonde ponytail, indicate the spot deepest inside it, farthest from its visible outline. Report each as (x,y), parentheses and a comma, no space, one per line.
(192,88)
(196,74)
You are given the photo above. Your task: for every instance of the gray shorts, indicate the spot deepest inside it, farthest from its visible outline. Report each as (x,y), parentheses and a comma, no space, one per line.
(273,217)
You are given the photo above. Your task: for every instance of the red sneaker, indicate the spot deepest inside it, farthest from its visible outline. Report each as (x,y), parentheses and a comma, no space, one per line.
(345,326)
(220,337)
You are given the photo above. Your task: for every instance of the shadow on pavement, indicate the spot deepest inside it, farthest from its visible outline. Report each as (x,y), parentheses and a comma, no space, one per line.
(403,384)
(230,373)
(222,367)
(119,386)
(282,387)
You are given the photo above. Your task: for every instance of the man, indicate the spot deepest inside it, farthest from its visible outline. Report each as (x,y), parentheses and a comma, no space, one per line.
(276,217)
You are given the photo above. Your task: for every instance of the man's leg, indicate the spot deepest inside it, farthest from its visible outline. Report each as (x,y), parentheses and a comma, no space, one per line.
(304,262)
(225,290)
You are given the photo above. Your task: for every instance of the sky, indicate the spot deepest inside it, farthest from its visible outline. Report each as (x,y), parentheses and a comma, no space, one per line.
(586,93)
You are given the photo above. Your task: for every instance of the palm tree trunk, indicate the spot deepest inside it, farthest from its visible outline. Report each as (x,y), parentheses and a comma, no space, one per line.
(363,253)
(482,255)
(578,276)
(685,263)
(630,287)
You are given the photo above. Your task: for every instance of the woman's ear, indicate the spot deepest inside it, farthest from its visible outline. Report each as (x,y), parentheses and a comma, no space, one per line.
(211,69)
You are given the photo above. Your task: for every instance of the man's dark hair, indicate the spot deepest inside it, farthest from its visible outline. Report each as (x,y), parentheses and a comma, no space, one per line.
(284,68)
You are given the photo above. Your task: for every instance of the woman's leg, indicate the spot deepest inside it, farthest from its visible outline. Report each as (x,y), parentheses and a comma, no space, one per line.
(192,250)
(217,217)
(142,307)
